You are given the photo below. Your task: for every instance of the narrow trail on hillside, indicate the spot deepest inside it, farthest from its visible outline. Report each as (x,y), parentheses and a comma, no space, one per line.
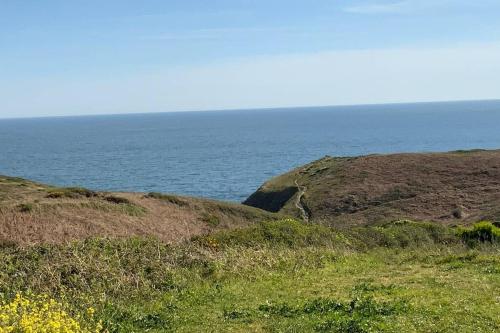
(298,203)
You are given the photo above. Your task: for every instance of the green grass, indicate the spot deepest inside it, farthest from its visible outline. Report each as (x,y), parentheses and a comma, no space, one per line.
(26,207)
(210,219)
(280,276)
(70,192)
(176,200)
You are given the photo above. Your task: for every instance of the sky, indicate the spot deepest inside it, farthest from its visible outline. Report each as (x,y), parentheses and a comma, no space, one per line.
(117,56)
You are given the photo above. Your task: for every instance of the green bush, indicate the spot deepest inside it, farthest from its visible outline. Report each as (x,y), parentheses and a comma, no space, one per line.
(117,200)
(288,232)
(292,233)
(210,219)
(401,233)
(166,197)
(26,207)
(71,193)
(480,232)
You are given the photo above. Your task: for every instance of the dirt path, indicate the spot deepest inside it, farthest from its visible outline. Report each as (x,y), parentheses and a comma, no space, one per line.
(298,204)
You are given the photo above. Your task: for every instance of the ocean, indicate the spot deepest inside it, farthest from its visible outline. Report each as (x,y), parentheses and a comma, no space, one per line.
(227,155)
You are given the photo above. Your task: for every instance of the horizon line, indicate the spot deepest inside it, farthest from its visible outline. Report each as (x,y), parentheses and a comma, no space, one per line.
(250,109)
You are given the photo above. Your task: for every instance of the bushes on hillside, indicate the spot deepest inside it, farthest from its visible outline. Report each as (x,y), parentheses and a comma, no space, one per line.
(26,207)
(117,200)
(402,233)
(292,233)
(481,232)
(167,197)
(70,193)
(287,232)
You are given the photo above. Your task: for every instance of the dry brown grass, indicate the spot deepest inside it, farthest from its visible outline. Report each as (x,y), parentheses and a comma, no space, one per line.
(30,214)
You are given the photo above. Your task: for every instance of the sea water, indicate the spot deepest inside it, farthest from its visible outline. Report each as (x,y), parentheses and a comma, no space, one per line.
(228,154)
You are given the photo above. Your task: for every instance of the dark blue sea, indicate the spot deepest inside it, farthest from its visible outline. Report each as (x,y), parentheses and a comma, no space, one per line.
(229,154)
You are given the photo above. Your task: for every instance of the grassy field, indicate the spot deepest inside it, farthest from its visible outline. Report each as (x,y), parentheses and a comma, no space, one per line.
(272,277)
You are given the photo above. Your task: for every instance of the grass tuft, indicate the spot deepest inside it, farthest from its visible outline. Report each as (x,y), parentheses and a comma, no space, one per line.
(117,200)
(70,193)
(26,207)
(210,219)
(167,197)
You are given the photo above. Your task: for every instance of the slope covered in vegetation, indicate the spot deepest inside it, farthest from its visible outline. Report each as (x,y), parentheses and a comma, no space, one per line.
(452,188)
(282,276)
(131,262)
(33,213)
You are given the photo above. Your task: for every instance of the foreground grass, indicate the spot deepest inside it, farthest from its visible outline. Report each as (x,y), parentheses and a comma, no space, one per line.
(272,277)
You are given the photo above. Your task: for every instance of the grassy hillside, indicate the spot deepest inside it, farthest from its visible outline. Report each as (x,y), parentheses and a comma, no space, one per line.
(128,262)
(451,188)
(35,213)
(281,276)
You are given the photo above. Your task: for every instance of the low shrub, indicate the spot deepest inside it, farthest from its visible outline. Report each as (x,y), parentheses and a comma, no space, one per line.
(292,233)
(166,197)
(287,232)
(132,210)
(117,200)
(457,213)
(71,193)
(401,233)
(210,219)
(125,205)
(26,207)
(480,232)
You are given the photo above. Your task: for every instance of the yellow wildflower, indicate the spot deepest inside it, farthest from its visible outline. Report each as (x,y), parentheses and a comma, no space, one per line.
(40,314)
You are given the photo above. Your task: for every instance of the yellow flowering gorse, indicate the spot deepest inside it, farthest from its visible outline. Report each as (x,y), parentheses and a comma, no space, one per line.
(40,314)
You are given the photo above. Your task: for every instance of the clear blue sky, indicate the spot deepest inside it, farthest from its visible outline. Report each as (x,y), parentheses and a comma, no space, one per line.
(115,56)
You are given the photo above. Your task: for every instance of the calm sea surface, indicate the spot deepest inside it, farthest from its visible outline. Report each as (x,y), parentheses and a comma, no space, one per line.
(227,155)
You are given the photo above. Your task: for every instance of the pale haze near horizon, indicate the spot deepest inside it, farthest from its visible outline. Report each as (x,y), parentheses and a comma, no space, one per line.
(81,58)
